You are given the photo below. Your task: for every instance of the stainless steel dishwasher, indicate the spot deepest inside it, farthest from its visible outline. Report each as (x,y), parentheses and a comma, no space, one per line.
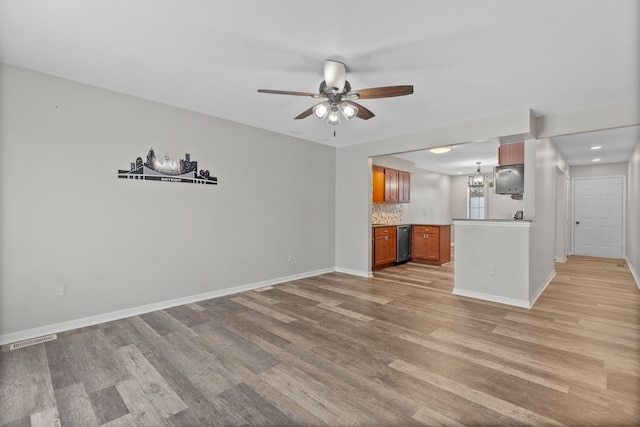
(403,241)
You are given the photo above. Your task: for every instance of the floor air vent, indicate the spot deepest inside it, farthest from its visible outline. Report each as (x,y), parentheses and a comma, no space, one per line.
(33,341)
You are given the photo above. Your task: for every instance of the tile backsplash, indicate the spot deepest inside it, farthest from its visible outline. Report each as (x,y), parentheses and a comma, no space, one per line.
(385,213)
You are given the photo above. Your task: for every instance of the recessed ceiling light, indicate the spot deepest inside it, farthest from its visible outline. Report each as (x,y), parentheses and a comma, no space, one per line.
(459,173)
(596,160)
(596,147)
(440,150)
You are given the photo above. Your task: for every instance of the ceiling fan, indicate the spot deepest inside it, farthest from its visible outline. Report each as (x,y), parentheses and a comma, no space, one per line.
(339,96)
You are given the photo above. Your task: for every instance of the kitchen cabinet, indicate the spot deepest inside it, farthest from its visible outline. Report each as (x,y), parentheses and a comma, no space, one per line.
(378,183)
(431,244)
(384,246)
(511,154)
(404,187)
(390,185)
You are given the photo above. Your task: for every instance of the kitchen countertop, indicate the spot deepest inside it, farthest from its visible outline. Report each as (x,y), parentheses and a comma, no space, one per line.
(493,220)
(398,225)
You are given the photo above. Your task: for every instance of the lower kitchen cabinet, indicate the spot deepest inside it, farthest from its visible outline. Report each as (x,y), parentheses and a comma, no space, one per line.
(384,246)
(431,244)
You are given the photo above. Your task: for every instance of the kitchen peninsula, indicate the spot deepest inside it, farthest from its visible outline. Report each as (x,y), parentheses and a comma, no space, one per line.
(492,261)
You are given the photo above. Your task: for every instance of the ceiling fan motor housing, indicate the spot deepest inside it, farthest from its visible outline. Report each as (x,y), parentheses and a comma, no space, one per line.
(333,96)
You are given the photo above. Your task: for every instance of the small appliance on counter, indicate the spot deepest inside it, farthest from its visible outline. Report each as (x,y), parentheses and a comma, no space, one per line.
(518,215)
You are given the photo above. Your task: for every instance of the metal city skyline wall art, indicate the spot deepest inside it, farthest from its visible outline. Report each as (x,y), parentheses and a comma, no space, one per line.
(168,170)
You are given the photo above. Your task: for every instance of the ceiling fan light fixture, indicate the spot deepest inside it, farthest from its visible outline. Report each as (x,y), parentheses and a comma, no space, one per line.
(339,97)
(333,118)
(440,150)
(321,110)
(349,111)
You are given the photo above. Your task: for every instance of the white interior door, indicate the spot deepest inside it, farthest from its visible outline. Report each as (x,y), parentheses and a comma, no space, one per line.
(598,216)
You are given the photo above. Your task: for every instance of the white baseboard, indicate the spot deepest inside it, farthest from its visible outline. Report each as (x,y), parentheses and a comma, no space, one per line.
(354,272)
(561,259)
(134,311)
(506,300)
(542,288)
(634,273)
(492,298)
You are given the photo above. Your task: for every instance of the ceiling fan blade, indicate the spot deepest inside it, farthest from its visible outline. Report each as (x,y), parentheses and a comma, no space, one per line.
(288,92)
(363,112)
(305,113)
(383,92)
(335,74)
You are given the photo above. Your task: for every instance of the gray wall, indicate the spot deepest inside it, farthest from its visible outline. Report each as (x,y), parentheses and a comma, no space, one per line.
(544,235)
(609,169)
(458,196)
(116,244)
(633,213)
(429,199)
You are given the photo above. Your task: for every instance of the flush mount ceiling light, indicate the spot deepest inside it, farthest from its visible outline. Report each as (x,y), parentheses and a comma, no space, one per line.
(340,99)
(477,180)
(440,150)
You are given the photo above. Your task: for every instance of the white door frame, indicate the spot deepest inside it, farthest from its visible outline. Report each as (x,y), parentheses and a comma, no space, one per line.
(563,216)
(623,178)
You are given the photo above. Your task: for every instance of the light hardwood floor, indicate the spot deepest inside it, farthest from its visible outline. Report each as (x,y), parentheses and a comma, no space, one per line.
(397,349)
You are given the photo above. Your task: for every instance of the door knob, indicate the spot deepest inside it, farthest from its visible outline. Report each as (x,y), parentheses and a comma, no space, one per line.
(577,222)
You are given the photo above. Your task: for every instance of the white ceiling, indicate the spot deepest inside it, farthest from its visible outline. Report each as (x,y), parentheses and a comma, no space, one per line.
(461,160)
(615,145)
(466,58)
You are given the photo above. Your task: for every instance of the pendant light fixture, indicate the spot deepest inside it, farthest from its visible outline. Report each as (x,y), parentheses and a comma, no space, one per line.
(477,180)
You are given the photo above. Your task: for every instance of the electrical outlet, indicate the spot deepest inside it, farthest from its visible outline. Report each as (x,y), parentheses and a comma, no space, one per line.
(290,258)
(492,271)
(61,291)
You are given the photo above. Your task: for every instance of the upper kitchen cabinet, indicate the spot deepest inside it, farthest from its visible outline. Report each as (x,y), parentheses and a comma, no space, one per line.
(378,183)
(404,187)
(511,154)
(390,185)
